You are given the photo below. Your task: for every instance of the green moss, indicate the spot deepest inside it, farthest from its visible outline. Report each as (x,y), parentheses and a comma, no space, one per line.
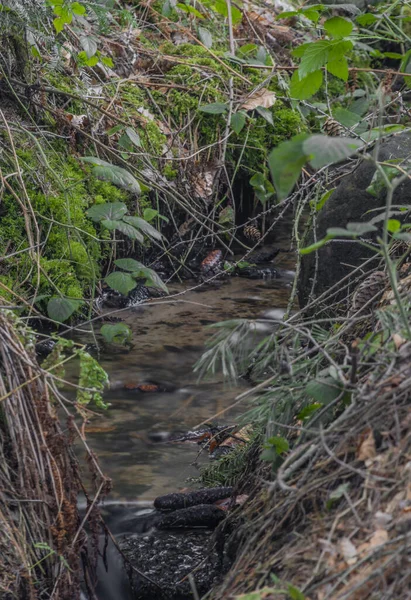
(169,172)
(60,274)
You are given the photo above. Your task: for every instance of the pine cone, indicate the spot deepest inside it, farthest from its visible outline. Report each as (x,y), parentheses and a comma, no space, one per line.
(333,128)
(252,233)
(367,289)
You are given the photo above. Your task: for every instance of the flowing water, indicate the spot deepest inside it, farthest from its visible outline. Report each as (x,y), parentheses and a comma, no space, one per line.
(168,339)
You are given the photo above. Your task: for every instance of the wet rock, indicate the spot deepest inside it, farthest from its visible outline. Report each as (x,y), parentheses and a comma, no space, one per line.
(202,515)
(255,272)
(263,255)
(184,500)
(350,202)
(45,347)
(112,299)
(166,559)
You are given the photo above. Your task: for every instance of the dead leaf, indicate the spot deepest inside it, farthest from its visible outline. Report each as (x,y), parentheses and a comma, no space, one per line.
(263,97)
(348,551)
(204,183)
(380,536)
(367,447)
(398,340)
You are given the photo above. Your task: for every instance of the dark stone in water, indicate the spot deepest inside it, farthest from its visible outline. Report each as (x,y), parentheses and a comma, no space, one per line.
(258,272)
(167,559)
(180,500)
(263,255)
(201,515)
(45,347)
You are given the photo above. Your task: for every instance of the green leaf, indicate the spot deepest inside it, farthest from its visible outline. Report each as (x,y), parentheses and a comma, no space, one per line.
(151,278)
(314,57)
(302,89)
(58,24)
(295,593)
(313,15)
(114,130)
(393,225)
(89,45)
(117,175)
(78,9)
(346,117)
(119,333)
(314,247)
(324,390)
(108,210)
(300,50)
(286,14)
(145,227)
(405,67)
(220,6)
(308,411)
(121,282)
(128,264)
(167,9)
(205,37)
(247,50)
(280,444)
(286,162)
(340,491)
(366,19)
(124,228)
(338,68)
(107,61)
(323,150)
(133,136)
(216,108)
(150,214)
(60,309)
(266,114)
(338,27)
(338,48)
(323,199)
(238,121)
(190,9)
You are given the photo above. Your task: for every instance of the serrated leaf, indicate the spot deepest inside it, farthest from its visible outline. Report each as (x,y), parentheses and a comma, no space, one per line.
(124,228)
(302,89)
(119,333)
(338,48)
(314,57)
(324,150)
(216,108)
(338,68)
(238,121)
(121,282)
(205,37)
(145,227)
(338,27)
(286,162)
(300,50)
(133,136)
(60,309)
(108,210)
(117,175)
(128,264)
(89,45)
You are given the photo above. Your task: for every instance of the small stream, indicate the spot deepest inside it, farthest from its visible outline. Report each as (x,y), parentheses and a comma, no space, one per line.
(130,438)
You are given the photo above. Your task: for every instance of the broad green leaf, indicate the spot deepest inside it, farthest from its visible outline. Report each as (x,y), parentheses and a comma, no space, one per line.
(60,309)
(302,89)
(114,130)
(300,50)
(258,180)
(338,68)
(279,443)
(247,50)
(150,213)
(286,162)
(394,55)
(128,264)
(119,333)
(190,9)
(151,278)
(324,390)
(124,228)
(205,37)
(314,57)
(109,210)
(323,150)
(121,282)
(145,227)
(58,24)
(338,48)
(238,121)
(266,114)
(313,15)
(346,117)
(220,6)
(133,136)
(338,27)
(216,108)
(295,593)
(393,225)
(405,67)
(286,14)
(89,45)
(308,411)
(107,61)
(78,9)
(107,172)
(366,19)
(90,62)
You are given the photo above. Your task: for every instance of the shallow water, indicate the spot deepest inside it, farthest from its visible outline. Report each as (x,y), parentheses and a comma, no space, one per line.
(169,337)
